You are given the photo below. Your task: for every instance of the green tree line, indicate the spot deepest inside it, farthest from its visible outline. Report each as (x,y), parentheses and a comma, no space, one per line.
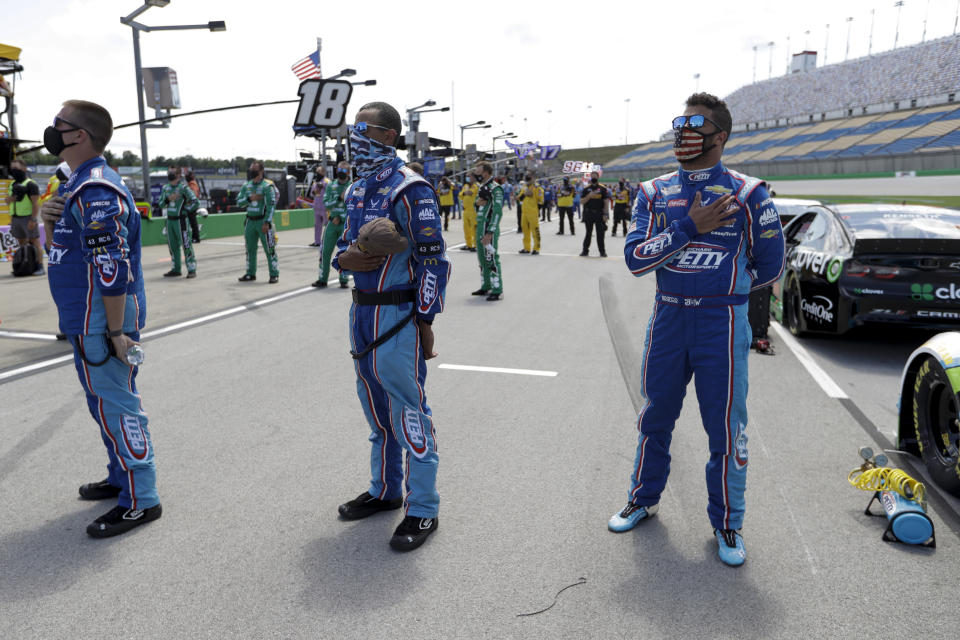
(130,159)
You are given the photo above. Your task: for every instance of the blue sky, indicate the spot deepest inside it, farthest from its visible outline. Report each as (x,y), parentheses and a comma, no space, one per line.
(558,76)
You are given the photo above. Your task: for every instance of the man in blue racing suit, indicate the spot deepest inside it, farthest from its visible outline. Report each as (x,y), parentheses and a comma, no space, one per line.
(711,235)
(396,297)
(97,284)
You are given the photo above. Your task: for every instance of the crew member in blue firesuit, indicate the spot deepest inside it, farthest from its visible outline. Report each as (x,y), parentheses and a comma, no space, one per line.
(711,235)
(96,280)
(396,297)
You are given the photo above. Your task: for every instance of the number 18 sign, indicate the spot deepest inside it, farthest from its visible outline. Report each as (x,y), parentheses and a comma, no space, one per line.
(323,103)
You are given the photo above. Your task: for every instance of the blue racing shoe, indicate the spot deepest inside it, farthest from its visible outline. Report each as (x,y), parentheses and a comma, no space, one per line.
(630,517)
(730,547)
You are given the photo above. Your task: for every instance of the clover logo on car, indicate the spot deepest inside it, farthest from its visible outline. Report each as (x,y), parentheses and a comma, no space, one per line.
(921,291)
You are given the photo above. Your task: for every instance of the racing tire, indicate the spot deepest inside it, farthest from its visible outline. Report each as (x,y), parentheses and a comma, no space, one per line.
(936,416)
(792,314)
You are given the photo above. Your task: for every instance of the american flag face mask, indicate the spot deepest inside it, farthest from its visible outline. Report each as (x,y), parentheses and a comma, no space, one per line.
(688,143)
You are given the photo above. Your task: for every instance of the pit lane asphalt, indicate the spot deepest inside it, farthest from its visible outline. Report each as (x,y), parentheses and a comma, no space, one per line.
(259,436)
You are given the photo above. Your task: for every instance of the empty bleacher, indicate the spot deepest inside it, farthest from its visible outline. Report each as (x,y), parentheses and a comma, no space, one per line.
(897,132)
(852,111)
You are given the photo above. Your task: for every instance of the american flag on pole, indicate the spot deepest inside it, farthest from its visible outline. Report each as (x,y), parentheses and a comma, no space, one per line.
(308,67)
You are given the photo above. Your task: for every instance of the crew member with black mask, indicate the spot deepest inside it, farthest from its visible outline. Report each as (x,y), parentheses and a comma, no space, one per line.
(257,196)
(596,204)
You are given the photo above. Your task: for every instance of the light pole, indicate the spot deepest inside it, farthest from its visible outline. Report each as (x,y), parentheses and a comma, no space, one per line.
(755,63)
(770,51)
(873,15)
(589,106)
(136,27)
(896,35)
(826,44)
(926,14)
(626,123)
(849,24)
(502,136)
(413,117)
(549,124)
(479,124)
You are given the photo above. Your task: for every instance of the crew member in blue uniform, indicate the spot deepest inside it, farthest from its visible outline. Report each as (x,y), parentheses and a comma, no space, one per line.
(396,298)
(96,280)
(711,235)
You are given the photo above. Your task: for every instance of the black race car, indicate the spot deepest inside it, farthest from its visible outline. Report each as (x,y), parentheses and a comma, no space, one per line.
(856,263)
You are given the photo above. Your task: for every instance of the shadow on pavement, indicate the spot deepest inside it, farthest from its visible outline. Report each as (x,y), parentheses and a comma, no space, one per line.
(54,556)
(356,570)
(687,595)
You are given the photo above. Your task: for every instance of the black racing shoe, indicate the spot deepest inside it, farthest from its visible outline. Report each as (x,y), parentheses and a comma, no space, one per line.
(412,532)
(171,274)
(603,255)
(534,253)
(344,285)
(523,251)
(479,292)
(274,279)
(98,490)
(365,505)
(192,274)
(319,284)
(247,278)
(120,520)
(464,248)
(494,296)
(584,253)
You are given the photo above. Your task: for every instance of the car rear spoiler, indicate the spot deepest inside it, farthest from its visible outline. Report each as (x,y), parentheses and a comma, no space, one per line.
(926,246)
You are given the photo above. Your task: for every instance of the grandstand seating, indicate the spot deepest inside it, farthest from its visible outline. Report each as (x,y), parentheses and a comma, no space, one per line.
(927,69)
(907,131)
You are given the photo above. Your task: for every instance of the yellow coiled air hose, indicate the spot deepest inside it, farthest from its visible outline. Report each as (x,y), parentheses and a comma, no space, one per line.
(888,479)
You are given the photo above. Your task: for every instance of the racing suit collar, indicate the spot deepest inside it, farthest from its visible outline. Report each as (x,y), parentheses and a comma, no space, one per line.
(701,176)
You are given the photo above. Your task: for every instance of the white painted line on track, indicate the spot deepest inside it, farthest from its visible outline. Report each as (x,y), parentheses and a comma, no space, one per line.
(523,372)
(45,364)
(831,388)
(190,323)
(35,366)
(26,335)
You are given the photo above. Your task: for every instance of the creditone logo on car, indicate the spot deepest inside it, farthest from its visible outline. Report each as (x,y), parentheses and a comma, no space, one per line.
(820,308)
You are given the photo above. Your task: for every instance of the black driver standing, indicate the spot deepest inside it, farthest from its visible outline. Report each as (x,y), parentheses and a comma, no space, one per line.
(596,204)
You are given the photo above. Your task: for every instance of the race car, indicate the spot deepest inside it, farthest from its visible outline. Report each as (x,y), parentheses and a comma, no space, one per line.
(790,208)
(855,263)
(930,409)
(759,309)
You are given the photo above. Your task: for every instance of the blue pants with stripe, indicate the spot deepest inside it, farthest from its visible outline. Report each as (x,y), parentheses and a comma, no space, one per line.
(114,403)
(711,345)
(390,384)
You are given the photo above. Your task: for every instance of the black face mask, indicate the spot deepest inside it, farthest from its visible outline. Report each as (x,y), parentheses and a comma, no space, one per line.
(252,174)
(53,140)
(594,181)
(18,175)
(171,176)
